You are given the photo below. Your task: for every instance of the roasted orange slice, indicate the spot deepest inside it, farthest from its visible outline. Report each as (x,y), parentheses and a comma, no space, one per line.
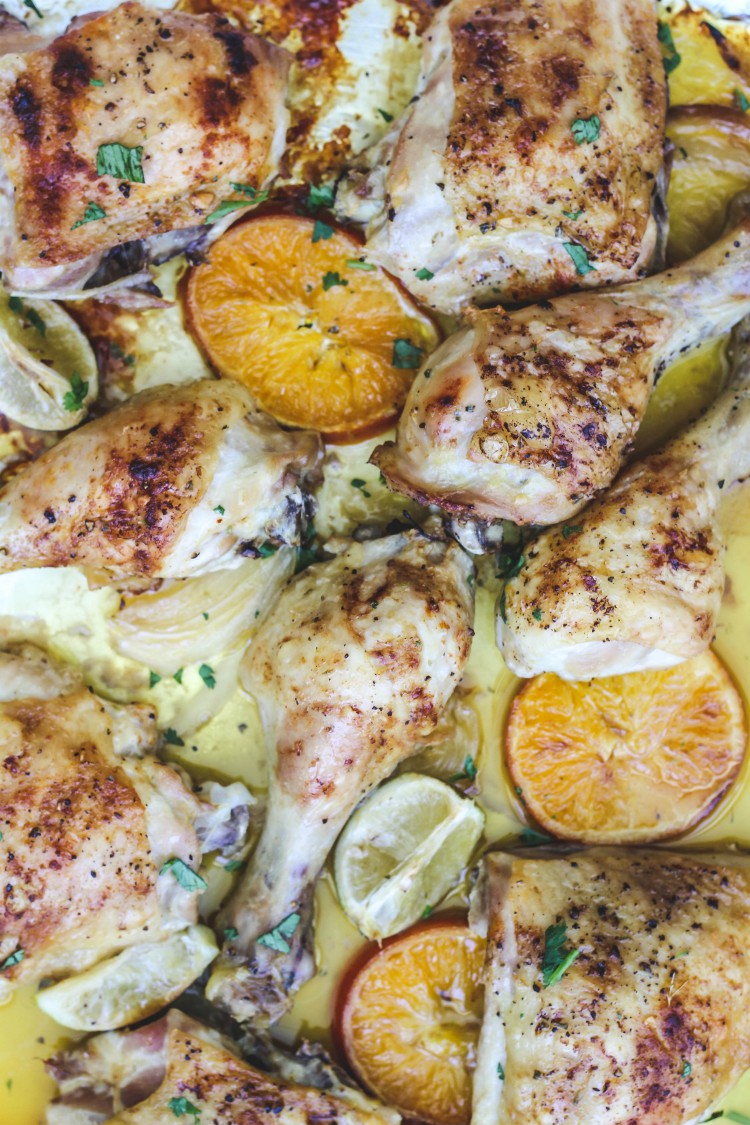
(626,759)
(322,338)
(408,1019)
(711,165)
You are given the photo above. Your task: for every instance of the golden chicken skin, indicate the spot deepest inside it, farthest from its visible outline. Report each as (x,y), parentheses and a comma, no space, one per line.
(617,987)
(177,1067)
(132,128)
(529,160)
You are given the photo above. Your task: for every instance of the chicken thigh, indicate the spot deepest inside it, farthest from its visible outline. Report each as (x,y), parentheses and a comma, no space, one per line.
(637,581)
(89,820)
(617,987)
(122,138)
(151,1075)
(176,482)
(527,415)
(529,160)
(351,670)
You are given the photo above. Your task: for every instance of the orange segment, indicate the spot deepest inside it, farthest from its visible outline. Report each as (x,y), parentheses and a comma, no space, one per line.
(314,338)
(626,759)
(711,164)
(409,1019)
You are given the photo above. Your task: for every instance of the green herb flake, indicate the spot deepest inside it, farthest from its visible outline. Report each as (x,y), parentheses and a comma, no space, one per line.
(557,958)
(92,214)
(359,264)
(509,563)
(231,934)
(219,509)
(204,615)
(502,606)
(331,279)
(121,162)
(74,399)
(741,100)
(424,274)
(573,215)
(670,55)
(571,529)
(319,196)
(178,675)
(184,875)
(36,320)
(501,1072)
(252,199)
(95,82)
(537,614)
(586,130)
(385,115)
(172,738)
(686,1069)
(469,771)
(530,838)
(14,959)
(234,865)
(427,912)
(580,258)
(206,673)
(267,549)
(153,679)
(321,231)
(32,5)
(278,937)
(357,482)
(406,355)
(181,1107)
(15,304)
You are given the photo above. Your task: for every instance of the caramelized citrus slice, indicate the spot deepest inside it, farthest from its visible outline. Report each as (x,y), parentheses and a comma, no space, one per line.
(284,306)
(707,58)
(711,164)
(626,759)
(408,1020)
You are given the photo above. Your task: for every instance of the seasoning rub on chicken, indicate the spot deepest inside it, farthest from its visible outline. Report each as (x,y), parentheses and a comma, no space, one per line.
(351,670)
(123,136)
(175,482)
(529,161)
(617,987)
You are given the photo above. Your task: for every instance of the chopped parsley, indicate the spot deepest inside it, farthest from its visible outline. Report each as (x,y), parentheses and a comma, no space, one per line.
(267,549)
(580,258)
(321,231)
(219,509)
(670,55)
(557,958)
(385,115)
(501,1072)
(357,482)
(501,605)
(468,773)
(571,529)
(424,274)
(586,130)
(252,198)
(231,934)
(406,355)
(427,912)
(32,5)
(153,679)
(92,213)
(319,196)
(16,305)
(573,215)
(510,563)
(206,673)
(234,865)
(184,875)
(741,100)
(172,738)
(686,1069)
(537,614)
(277,938)
(95,82)
(530,838)
(359,264)
(181,1106)
(331,279)
(178,675)
(74,399)
(121,162)
(9,962)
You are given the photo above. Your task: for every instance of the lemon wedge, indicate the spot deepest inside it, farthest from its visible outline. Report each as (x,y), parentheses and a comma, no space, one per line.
(48,371)
(134,984)
(402,851)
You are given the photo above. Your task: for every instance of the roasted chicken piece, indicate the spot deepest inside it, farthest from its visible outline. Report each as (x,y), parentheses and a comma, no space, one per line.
(527,415)
(617,987)
(89,818)
(351,670)
(529,160)
(173,483)
(637,581)
(151,1075)
(123,137)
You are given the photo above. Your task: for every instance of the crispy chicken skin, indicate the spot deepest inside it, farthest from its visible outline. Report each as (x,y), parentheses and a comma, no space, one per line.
(86,826)
(177,1057)
(173,483)
(527,415)
(649,1025)
(351,670)
(487,182)
(201,100)
(637,581)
